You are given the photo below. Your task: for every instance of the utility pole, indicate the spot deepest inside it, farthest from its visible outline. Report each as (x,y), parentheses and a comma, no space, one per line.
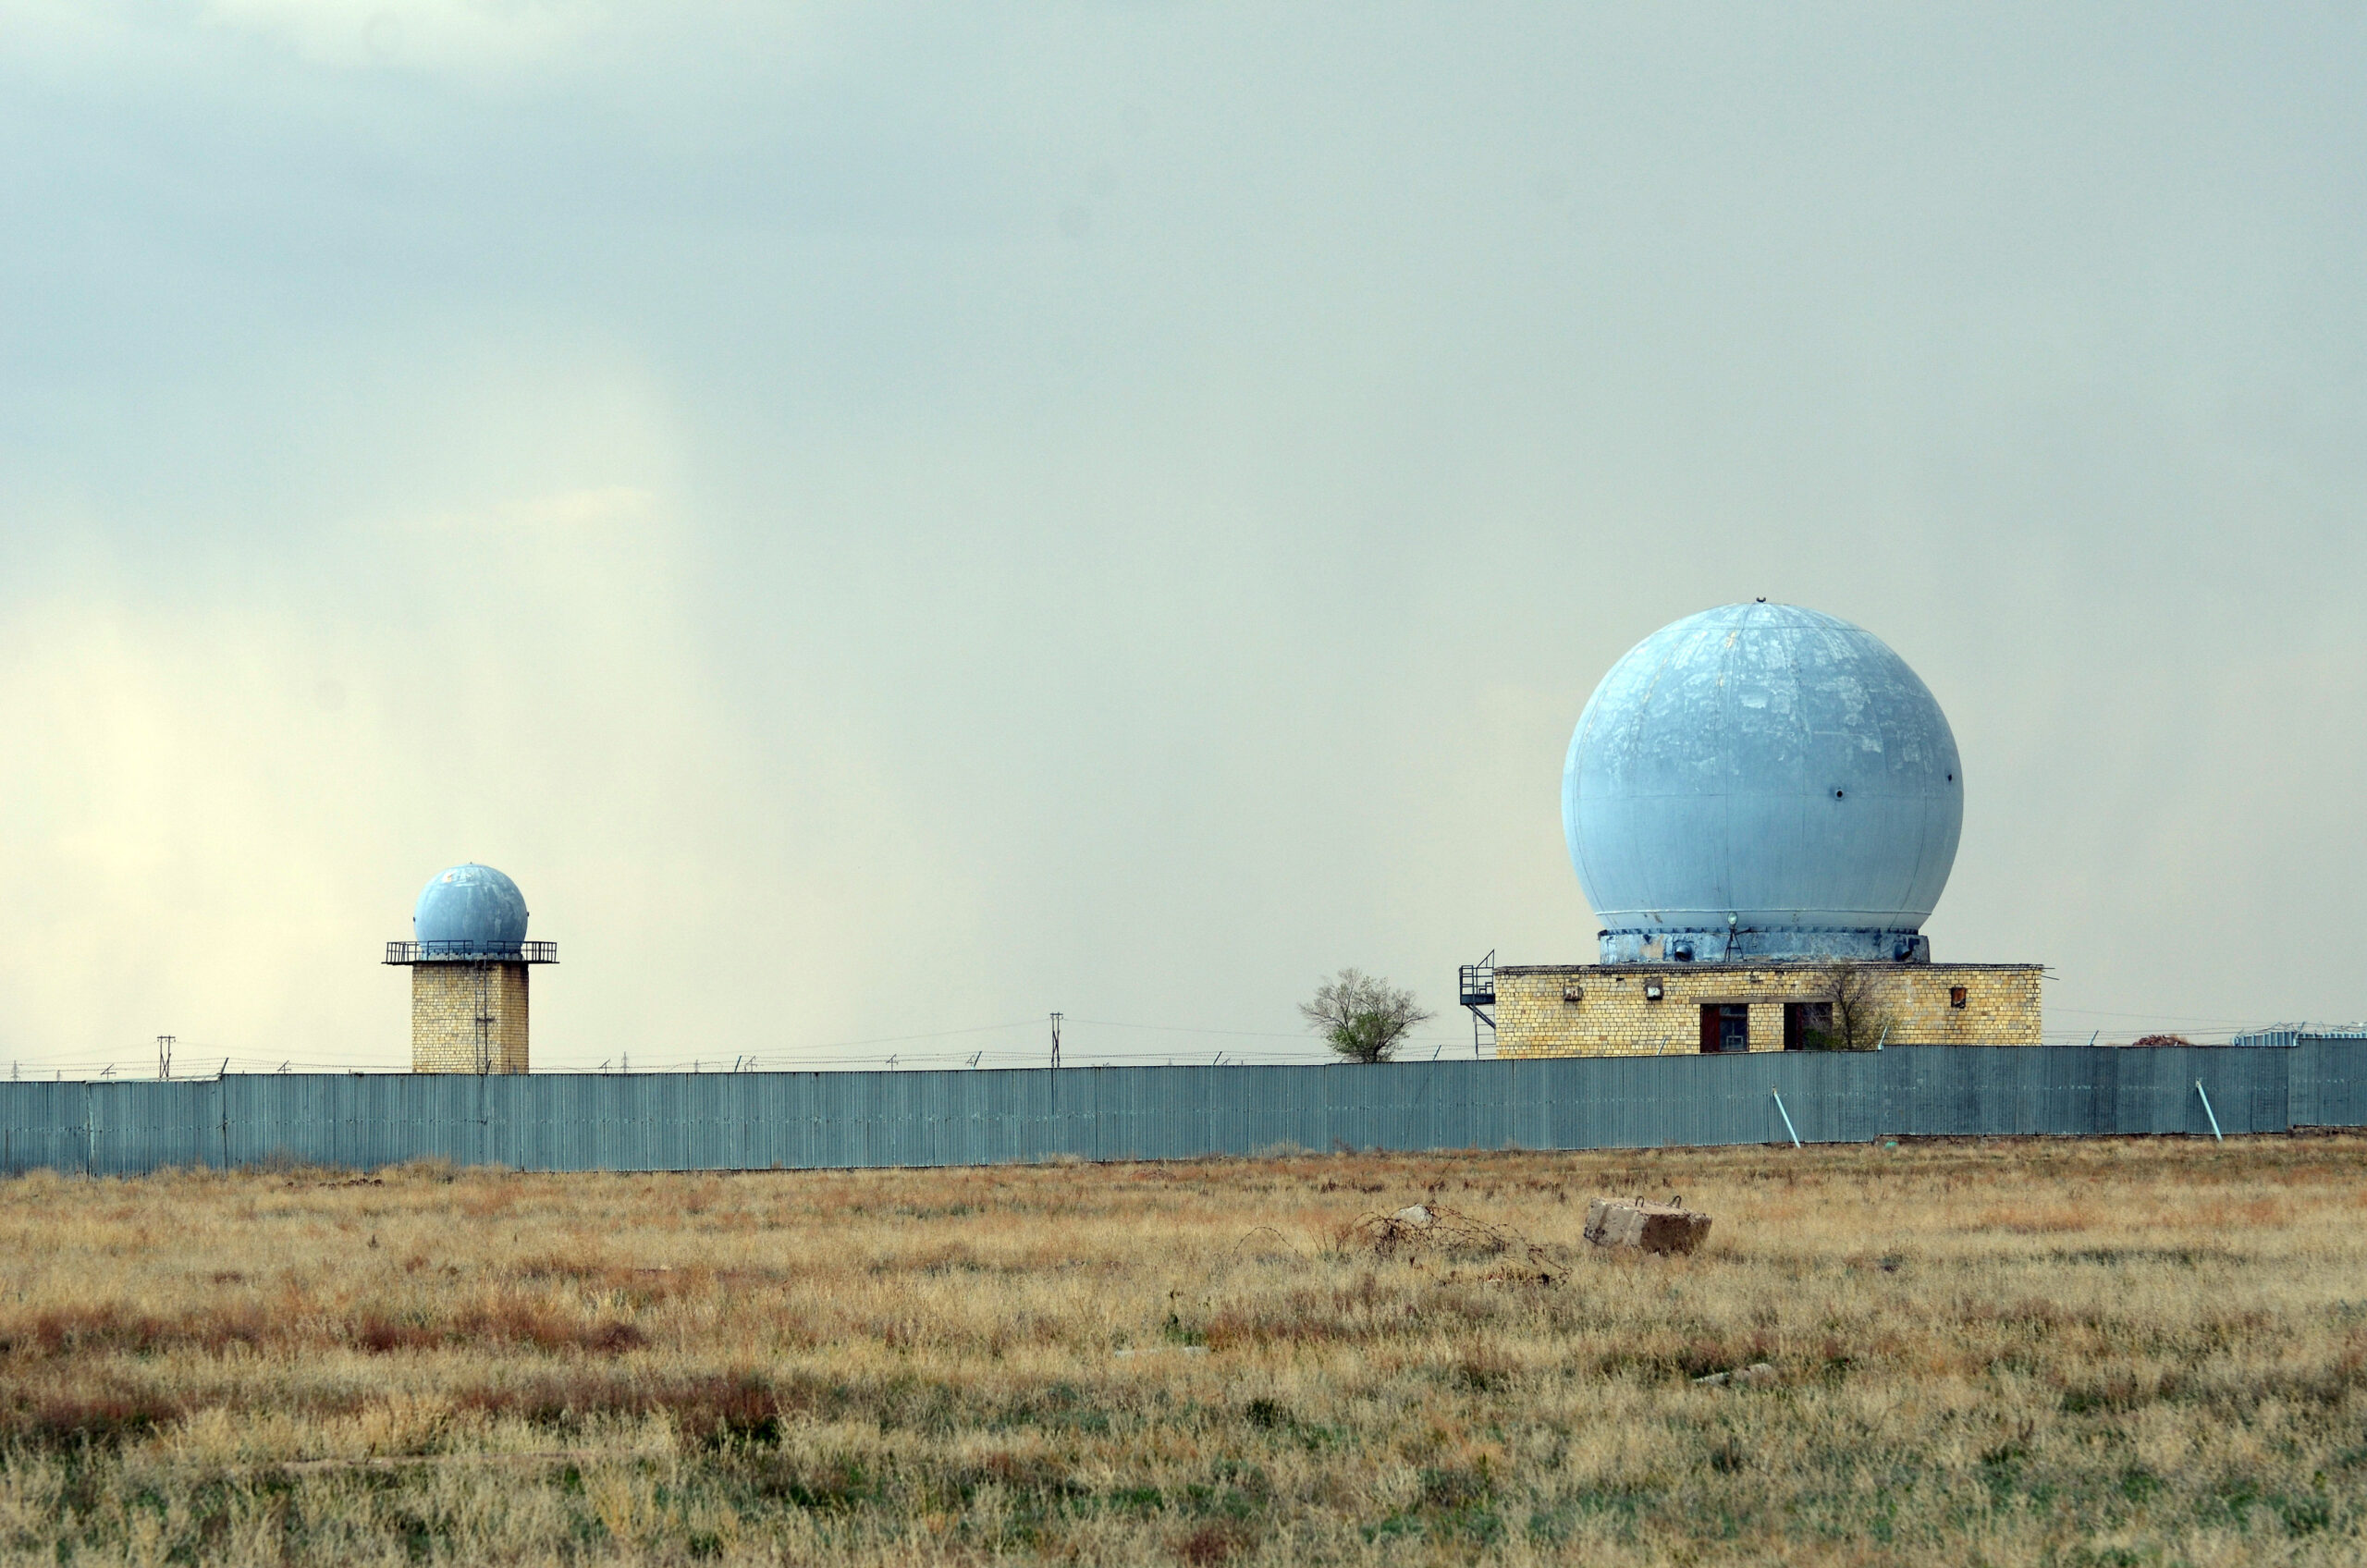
(1056,1039)
(164,1056)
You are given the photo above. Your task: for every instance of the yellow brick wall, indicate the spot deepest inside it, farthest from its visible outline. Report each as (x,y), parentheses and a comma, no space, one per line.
(444,1002)
(1598,1010)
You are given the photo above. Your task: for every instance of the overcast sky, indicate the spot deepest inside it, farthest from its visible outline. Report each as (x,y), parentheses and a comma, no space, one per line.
(891,521)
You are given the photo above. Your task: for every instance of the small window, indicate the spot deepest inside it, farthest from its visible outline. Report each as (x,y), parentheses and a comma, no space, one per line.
(1956,995)
(1573,995)
(1726,1026)
(1652,990)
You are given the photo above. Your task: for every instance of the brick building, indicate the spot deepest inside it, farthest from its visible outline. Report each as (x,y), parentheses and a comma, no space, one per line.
(1655,1009)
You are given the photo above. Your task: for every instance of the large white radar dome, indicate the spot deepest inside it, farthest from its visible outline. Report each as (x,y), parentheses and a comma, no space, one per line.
(1762,781)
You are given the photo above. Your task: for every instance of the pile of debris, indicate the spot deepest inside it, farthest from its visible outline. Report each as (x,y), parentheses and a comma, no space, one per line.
(1434,1229)
(1653,1227)
(1758,1375)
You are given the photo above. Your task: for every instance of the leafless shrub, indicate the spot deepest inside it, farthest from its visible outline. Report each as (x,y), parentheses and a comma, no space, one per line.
(1858,1019)
(1433,1230)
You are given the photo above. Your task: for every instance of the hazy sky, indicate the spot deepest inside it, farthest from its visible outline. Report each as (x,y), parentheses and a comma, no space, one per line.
(890,521)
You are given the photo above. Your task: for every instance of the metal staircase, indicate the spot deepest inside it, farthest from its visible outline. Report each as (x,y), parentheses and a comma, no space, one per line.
(1476,989)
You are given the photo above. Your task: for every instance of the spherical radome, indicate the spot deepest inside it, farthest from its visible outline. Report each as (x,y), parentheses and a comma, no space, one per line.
(471,908)
(1766,770)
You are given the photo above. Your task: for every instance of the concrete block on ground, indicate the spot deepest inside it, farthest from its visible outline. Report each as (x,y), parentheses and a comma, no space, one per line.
(1653,1227)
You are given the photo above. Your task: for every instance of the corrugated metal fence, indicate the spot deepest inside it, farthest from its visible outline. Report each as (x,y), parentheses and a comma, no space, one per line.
(761,1120)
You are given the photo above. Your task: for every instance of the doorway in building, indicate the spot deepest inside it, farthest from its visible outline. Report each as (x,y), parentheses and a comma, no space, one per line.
(1726,1026)
(1808,1026)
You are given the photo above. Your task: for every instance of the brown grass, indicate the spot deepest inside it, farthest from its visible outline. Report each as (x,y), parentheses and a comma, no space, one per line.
(2093,1353)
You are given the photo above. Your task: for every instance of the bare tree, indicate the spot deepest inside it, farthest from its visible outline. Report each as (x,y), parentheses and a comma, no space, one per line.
(1363,1016)
(1860,1022)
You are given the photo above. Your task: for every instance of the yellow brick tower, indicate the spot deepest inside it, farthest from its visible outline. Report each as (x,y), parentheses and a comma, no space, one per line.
(468,959)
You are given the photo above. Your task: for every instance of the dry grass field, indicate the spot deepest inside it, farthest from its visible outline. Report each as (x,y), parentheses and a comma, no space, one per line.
(2129,1352)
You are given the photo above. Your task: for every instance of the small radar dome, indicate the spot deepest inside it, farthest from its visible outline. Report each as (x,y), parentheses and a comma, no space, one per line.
(1762,781)
(470,909)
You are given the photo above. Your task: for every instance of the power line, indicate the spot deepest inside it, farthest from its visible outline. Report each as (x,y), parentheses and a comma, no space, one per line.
(2155,1017)
(1194,1029)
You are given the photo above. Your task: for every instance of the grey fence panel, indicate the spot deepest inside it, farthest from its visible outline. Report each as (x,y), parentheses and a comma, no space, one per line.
(763,1123)
(1612,1109)
(361,1122)
(2242,1098)
(2270,1082)
(2342,1084)
(2075,1092)
(2196,1072)
(2168,1103)
(1940,1097)
(869,1111)
(1741,1104)
(938,1122)
(136,1128)
(2149,1093)
(1294,1116)
(44,1127)
(1364,1103)
(1202,1118)
(1167,1113)
(2329,1081)
(2066,1097)
(1158,1119)
(549,1123)
(956,1125)
(1572,1118)
(825,1107)
(2108,1075)
(47,1126)
(289,1117)
(1348,1110)
(2306,1095)
(687,1121)
(1824,1093)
